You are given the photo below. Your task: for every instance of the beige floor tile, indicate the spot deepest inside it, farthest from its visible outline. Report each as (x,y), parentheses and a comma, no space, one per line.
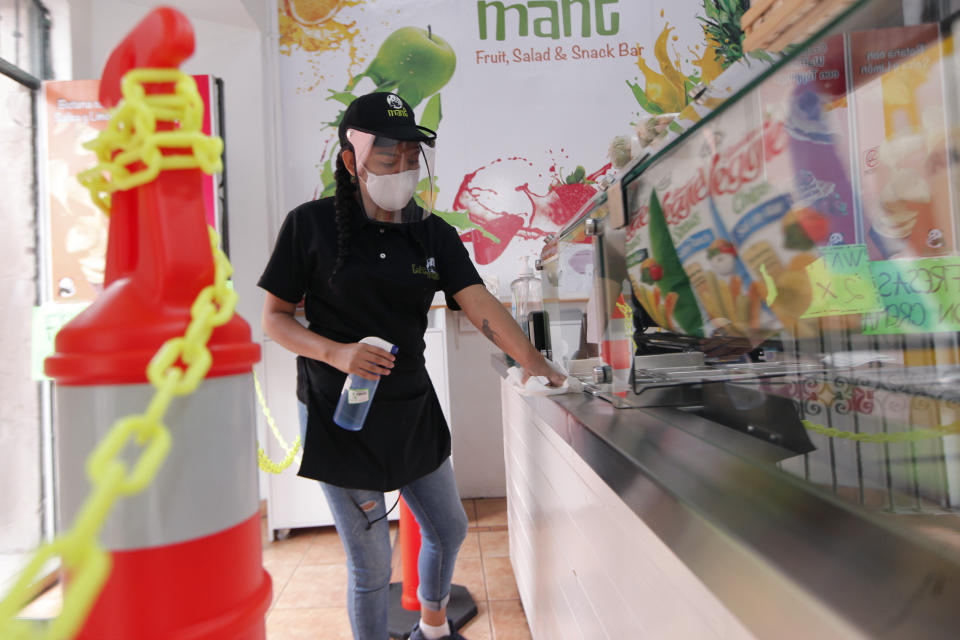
(478,628)
(315,586)
(330,623)
(491,512)
(469,573)
(292,548)
(470,507)
(326,548)
(471,546)
(395,563)
(280,573)
(494,544)
(509,621)
(498,575)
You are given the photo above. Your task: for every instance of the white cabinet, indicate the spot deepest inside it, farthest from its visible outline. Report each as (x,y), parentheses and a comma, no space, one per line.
(586,565)
(293,501)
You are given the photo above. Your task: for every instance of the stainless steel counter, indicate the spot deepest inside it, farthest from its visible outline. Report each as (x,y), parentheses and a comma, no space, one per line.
(764,541)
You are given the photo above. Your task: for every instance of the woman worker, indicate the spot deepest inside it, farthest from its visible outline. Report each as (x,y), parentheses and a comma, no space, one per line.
(368,262)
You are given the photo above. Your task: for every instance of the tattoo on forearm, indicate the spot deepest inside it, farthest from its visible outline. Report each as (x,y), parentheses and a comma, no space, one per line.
(490,333)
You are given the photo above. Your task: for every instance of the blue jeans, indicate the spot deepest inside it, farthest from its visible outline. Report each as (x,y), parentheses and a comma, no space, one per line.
(434,501)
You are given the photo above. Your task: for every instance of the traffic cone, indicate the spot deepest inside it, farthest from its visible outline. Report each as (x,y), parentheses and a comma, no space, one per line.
(186,551)
(404,602)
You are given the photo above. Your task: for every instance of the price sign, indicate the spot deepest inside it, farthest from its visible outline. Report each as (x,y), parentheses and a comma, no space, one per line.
(917,296)
(841,282)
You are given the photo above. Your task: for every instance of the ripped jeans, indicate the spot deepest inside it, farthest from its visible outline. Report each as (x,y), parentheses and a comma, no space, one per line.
(434,501)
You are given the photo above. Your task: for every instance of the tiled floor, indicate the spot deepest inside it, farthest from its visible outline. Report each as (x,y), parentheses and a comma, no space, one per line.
(310,578)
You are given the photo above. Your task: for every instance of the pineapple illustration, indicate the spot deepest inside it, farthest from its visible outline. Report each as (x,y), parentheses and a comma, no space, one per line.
(721,26)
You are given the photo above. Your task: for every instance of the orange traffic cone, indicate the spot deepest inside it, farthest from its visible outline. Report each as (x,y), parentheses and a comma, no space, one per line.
(404,602)
(186,550)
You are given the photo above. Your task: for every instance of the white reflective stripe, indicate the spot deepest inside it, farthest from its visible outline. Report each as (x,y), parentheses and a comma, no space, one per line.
(208,482)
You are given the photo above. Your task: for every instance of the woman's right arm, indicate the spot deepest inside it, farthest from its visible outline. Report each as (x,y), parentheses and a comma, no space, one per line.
(357,358)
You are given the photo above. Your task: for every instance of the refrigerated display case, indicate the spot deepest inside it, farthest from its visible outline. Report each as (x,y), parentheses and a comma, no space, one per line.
(783,273)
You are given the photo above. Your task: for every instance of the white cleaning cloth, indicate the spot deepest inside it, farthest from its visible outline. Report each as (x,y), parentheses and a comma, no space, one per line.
(540,385)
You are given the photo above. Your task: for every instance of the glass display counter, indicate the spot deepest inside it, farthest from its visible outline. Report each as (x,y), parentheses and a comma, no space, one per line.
(786,264)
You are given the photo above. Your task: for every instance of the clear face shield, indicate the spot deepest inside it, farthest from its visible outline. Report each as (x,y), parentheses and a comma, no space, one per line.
(396,176)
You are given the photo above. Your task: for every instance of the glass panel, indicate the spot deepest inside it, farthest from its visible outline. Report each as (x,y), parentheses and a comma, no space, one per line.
(791,264)
(20,431)
(22,34)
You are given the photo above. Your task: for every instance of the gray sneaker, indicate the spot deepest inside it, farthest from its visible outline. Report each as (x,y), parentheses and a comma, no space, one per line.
(416,634)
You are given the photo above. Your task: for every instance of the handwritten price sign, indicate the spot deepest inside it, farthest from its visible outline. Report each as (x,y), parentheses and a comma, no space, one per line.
(842,283)
(918,296)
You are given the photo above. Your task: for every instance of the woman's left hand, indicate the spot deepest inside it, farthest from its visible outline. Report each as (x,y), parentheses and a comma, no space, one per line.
(543,368)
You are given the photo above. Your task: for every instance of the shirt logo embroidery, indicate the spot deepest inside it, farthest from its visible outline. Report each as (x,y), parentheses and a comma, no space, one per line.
(430,270)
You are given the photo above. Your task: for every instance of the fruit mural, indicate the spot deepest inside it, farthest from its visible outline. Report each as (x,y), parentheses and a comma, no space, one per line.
(504,192)
(668,91)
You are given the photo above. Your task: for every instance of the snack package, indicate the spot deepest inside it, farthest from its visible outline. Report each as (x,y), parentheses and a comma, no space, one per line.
(758,217)
(902,148)
(656,275)
(808,97)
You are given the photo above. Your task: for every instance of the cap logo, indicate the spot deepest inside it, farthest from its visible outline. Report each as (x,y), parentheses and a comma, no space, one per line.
(396,109)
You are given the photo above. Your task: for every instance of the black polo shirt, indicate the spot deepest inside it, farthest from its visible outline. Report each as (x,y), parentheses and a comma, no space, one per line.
(384,289)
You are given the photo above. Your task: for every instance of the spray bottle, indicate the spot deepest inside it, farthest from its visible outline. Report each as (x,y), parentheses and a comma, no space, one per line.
(357,393)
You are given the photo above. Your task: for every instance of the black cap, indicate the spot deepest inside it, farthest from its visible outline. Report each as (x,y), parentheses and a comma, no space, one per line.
(385,114)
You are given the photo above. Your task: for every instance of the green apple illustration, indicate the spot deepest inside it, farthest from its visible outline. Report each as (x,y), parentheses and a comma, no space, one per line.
(412,62)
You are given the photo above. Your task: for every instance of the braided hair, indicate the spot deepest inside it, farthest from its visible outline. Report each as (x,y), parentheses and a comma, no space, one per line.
(343,199)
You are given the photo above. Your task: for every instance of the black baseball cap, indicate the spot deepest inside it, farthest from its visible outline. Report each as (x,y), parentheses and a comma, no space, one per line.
(385,114)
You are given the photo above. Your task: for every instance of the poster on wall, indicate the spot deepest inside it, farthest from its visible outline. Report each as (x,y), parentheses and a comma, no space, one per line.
(75,234)
(526,98)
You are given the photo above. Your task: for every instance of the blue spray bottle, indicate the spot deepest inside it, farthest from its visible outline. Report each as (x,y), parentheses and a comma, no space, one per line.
(357,393)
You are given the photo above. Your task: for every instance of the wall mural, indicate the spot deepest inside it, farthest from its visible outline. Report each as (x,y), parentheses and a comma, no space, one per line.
(530,99)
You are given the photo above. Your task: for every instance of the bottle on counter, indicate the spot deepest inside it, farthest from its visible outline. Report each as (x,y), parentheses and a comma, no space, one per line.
(357,393)
(527,297)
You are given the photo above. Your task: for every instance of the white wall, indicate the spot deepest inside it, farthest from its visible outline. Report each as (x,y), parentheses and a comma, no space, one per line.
(20,431)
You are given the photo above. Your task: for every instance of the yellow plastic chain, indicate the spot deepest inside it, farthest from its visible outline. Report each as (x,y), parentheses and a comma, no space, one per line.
(266,464)
(81,555)
(876,438)
(627,312)
(128,150)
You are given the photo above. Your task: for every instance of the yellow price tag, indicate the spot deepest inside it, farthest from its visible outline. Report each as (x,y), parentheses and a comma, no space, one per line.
(841,282)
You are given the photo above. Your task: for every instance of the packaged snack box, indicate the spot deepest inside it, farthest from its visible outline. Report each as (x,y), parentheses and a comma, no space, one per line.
(758,217)
(902,149)
(658,280)
(699,255)
(809,98)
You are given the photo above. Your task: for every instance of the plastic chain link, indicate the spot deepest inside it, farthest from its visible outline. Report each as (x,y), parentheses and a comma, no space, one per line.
(627,312)
(899,436)
(128,150)
(266,464)
(82,557)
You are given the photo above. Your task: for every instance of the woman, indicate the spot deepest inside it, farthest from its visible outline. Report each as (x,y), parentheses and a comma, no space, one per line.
(368,262)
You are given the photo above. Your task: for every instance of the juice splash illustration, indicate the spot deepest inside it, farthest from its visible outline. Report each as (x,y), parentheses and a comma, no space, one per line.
(491,228)
(311,26)
(708,64)
(664,92)
(668,91)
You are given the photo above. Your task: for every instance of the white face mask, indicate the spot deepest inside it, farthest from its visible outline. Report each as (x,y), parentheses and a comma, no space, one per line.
(392,191)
